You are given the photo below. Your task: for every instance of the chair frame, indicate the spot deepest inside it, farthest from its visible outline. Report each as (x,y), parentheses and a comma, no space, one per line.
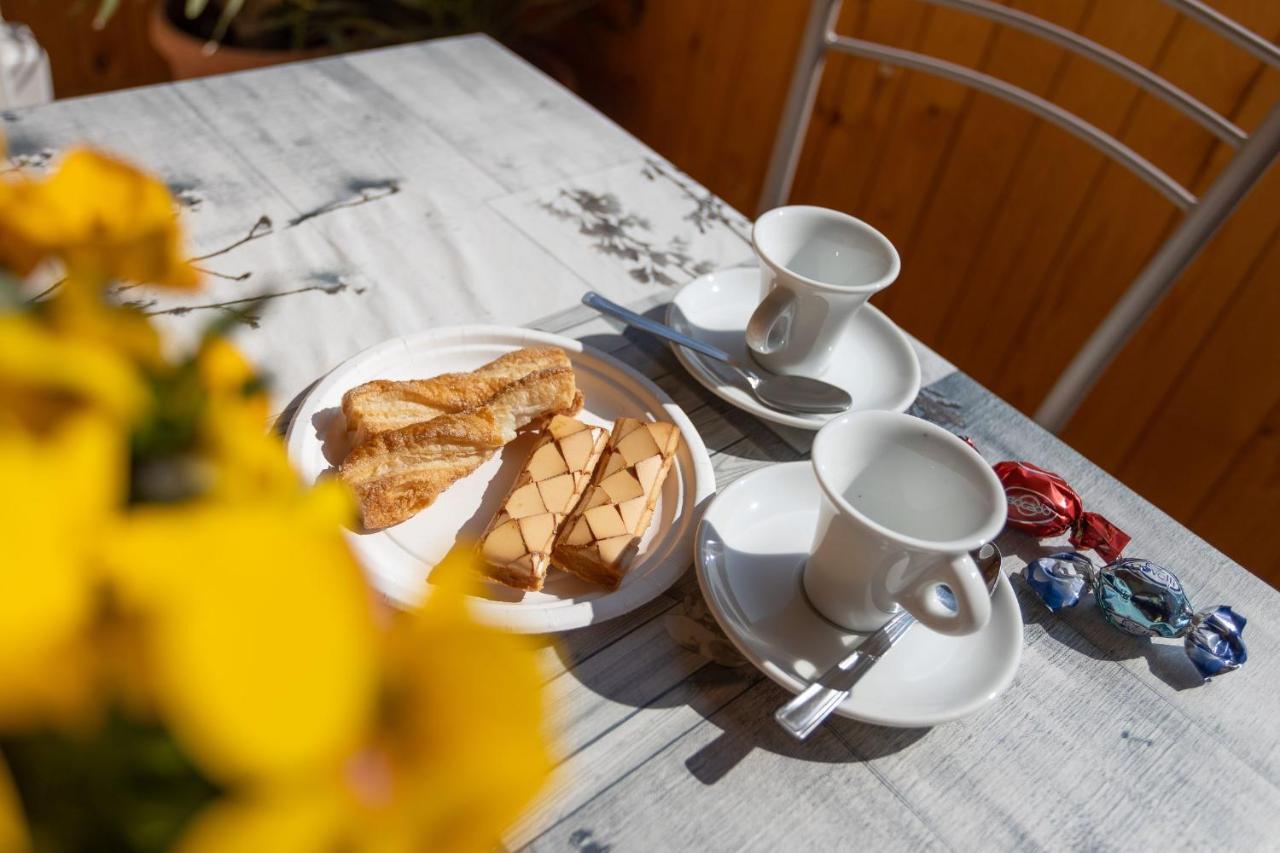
(1255,152)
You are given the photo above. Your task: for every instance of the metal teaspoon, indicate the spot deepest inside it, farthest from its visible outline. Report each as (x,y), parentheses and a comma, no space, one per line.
(807,709)
(795,394)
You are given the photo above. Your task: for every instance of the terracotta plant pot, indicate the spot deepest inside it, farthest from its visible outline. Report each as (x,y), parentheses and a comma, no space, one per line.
(187,56)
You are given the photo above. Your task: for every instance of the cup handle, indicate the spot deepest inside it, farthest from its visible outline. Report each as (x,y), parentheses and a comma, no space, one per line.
(770,324)
(973,603)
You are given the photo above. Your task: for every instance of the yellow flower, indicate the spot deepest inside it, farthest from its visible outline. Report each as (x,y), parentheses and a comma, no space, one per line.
(45,375)
(246,459)
(461,729)
(454,755)
(85,316)
(258,626)
(225,372)
(100,216)
(58,496)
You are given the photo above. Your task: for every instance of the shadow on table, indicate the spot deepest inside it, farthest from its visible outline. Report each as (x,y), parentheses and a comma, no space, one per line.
(1082,628)
(747,725)
(679,658)
(734,707)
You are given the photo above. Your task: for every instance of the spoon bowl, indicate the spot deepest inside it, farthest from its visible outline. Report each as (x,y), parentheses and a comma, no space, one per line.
(801,394)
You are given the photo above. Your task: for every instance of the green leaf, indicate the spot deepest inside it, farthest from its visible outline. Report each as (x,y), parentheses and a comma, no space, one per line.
(126,786)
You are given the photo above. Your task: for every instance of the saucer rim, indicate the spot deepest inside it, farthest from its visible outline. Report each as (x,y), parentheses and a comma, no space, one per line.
(736,397)
(1003,597)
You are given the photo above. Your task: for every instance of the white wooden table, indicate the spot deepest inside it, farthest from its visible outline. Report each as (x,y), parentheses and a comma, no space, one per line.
(449,183)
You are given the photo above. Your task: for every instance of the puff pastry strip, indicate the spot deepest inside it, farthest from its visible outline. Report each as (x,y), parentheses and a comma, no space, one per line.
(384,405)
(398,473)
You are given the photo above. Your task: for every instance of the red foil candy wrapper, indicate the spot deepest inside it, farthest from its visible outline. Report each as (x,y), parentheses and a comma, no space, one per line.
(1042,504)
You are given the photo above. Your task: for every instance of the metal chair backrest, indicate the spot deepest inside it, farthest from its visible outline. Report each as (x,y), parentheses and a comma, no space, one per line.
(1254,153)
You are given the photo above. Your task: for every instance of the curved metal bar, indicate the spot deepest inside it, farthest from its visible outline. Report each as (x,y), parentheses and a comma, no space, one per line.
(1230,29)
(1122,65)
(1175,255)
(788,142)
(1047,110)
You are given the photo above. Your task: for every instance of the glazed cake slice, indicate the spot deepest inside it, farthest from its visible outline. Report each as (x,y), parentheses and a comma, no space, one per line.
(601,536)
(516,546)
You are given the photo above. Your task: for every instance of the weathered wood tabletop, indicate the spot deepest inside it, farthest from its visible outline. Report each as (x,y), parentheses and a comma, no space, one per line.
(387,192)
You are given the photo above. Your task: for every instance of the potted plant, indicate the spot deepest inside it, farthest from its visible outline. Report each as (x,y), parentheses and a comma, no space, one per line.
(202,37)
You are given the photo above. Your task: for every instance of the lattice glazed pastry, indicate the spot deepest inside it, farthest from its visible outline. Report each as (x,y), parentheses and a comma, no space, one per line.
(600,538)
(516,546)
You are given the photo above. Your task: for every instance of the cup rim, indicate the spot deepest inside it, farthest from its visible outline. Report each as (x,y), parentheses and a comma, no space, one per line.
(895,263)
(989,531)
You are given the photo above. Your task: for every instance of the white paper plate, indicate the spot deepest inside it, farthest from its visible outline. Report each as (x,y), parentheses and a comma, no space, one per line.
(399,559)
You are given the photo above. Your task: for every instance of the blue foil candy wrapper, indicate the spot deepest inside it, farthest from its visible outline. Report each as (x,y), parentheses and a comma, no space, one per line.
(1214,642)
(1142,598)
(1060,579)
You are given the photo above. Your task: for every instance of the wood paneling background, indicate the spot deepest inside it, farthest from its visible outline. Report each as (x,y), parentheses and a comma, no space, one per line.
(1015,237)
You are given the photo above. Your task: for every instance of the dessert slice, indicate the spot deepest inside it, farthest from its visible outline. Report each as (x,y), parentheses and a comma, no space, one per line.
(601,536)
(395,474)
(516,546)
(384,405)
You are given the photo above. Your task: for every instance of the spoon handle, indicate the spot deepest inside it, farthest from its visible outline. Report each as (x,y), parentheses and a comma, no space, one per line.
(807,709)
(653,327)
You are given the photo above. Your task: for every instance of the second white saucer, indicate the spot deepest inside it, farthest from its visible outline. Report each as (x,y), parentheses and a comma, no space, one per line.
(749,550)
(875,362)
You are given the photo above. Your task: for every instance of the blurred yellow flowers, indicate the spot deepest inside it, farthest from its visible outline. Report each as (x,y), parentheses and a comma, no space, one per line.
(99,216)
(180,609)
(60,490)
(45,375)
(432,771)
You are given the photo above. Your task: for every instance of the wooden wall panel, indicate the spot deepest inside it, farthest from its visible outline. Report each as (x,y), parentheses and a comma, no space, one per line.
(1005,280)
(951,233)
(1224,503)
(1015,236)
(1121,221)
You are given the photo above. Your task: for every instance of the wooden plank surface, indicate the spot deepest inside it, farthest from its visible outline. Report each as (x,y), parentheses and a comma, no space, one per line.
(449,183)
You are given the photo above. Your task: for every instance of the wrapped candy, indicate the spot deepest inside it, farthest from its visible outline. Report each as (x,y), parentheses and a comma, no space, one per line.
(1060,579)
(1147,600)
(1214,643)
(1042,504)
(1143,599)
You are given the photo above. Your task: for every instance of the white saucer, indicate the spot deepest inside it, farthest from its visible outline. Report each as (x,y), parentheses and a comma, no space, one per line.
(874,363)
(399,559)
(749,550)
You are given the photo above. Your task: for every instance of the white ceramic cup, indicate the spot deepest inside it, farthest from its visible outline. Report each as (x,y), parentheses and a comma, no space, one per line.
(903,504)
(818,267)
